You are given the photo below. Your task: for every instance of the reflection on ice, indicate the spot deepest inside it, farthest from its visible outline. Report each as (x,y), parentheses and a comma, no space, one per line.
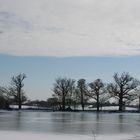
(70,123)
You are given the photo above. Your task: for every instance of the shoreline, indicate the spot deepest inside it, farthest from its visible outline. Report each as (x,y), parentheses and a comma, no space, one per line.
(85,111)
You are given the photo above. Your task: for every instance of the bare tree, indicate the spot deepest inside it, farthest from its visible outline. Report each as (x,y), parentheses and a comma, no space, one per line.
(62,89)
(97,89)
(75,98)
(16,89)
(123,88)
(82,92)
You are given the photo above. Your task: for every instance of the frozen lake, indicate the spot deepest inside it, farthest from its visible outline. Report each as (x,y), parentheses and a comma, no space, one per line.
(70,123)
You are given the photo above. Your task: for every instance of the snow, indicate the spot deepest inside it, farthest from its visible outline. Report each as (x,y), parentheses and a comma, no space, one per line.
(80,108)
(27,107)
(107,108)
(13,135)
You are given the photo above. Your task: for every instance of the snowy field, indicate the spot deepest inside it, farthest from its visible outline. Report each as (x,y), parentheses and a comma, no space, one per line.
(86,108)
(108,108)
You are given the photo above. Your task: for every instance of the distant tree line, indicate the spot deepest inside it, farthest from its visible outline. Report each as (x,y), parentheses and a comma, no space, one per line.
(69,93)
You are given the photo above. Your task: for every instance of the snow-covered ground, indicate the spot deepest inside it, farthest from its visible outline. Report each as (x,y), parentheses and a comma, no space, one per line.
(108,108)
(11,135)
(86,108)
(27,107)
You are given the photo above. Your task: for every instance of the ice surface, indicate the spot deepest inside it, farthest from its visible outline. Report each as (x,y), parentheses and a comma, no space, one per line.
(13,135)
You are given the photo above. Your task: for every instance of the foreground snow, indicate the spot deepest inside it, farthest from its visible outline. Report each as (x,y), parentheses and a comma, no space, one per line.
(12,135)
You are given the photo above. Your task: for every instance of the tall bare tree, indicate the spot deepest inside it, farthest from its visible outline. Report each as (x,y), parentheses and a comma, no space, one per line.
(62,89)
(123,88)
(16,89)
(82,92)
(97,89)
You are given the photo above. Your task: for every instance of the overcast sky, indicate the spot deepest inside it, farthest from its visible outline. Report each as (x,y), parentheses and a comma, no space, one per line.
(70,28)
(74,38)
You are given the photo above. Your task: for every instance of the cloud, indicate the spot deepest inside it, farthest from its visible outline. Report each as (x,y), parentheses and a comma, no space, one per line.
(70,28)
(9,21)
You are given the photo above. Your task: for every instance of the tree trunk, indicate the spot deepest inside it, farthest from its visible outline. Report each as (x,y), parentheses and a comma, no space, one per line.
(63,102)
(83,106)
(98,104)
(82,101)
(121,99)
(19,105)
(19,96)
(139,103)
(121,104)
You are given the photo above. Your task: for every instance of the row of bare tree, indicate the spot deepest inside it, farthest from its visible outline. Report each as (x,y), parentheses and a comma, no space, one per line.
(68,92)
(123,89)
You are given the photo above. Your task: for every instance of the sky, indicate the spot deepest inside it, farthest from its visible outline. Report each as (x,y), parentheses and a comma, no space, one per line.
(46,39)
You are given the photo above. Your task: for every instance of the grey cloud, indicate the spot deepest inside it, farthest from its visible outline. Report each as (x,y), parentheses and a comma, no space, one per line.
(133,45)
(10,21)
(55,29)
